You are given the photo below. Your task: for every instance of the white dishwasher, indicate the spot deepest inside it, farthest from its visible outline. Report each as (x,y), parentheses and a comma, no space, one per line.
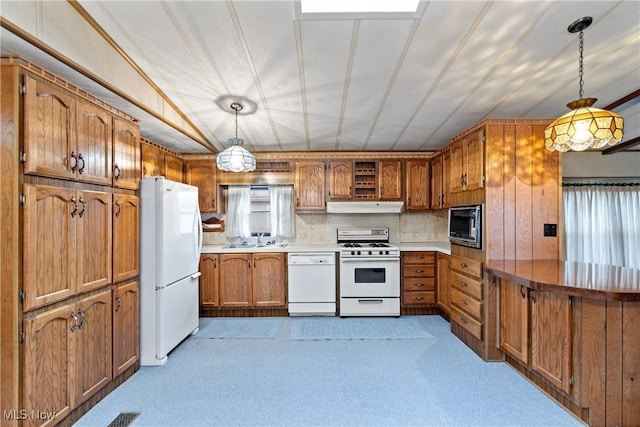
(312,284)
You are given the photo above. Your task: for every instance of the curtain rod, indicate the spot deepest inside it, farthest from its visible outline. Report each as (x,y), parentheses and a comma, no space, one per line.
(601,184)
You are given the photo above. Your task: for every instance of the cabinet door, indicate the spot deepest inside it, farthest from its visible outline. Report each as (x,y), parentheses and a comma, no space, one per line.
(514,320)
(390,182)
(94,147)
(48,372)
(442,283)
(209,280)
(340,180)
(126,154)
(551,337)
(49,236)
(269,280)
(152,160)
(456,158)
(173,168)
(126,322)
(49,130)
(235,280)
(93,240)
(310,186)
(93,345)
(437,194)
(474,160)
(446,177)
(417,185)
(203,175)
(126,239)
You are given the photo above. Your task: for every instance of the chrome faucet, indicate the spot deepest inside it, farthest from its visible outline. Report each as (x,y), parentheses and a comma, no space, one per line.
(260,236)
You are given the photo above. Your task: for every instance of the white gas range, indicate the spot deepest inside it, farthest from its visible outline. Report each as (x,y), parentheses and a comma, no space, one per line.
(369,273)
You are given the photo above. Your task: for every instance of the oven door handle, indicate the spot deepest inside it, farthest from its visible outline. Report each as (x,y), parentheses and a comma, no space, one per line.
(374,301)
(369,259)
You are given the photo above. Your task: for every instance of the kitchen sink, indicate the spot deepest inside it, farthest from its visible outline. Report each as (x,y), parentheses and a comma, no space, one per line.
(252,246)
(239,246)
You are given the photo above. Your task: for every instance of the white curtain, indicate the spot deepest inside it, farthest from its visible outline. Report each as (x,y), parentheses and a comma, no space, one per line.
(238,210)
(282,216)
(602,224)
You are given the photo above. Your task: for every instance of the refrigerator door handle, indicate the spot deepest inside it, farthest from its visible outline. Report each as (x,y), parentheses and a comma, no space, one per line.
(196,275)
(197,224)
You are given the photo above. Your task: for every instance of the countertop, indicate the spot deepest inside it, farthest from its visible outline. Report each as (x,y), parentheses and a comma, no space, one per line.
(596,281)
(443,247)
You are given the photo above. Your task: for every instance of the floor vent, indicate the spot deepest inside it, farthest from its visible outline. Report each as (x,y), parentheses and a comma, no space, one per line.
(124,419)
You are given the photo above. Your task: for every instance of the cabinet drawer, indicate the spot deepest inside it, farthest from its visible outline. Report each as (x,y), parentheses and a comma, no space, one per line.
(418,284)
(467,285)
(467,322)
(418,258)
(469,305)
(419,270)
(467,266)
(410,298)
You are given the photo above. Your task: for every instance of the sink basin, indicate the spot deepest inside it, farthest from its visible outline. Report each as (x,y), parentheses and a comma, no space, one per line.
(238,246)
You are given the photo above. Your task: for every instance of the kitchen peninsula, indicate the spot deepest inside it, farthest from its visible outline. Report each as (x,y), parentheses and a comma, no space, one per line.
(572,329)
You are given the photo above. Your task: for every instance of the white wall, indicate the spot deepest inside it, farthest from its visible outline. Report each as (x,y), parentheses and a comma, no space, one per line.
(321,227)
(592,164)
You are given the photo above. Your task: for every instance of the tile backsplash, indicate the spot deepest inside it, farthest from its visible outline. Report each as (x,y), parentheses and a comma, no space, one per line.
(321,227)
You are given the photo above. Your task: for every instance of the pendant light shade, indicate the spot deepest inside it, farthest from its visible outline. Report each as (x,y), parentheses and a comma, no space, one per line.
(584,126)
(235,158)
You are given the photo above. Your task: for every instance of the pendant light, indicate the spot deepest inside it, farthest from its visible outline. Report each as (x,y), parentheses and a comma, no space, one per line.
(236,158)
(584,126)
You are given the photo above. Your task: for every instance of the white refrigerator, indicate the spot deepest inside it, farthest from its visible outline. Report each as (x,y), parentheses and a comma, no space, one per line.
(170,245)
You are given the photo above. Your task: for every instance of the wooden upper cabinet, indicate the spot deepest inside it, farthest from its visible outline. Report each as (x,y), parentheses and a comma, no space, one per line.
(417,190)
(49,245)
(202,174)
(437,189)
(467,162)
(390,181)
(446,177)
(126,239)
(126,154)
(310,186)
(152,160)
(49,130)
(341,180)
(126,321)
(173,167)
(94,147)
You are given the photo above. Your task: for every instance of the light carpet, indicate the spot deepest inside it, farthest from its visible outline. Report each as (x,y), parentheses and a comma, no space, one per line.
(376,328)
(240,328)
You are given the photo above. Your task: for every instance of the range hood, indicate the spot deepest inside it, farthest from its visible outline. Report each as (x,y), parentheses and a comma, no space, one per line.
(365,207)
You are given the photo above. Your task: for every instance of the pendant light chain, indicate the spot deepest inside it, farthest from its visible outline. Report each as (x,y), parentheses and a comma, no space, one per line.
(581,69)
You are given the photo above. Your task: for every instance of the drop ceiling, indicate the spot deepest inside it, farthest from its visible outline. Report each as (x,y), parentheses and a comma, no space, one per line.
(356,83)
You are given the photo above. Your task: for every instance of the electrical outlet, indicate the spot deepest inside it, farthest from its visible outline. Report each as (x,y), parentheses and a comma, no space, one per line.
(303,235)
(550,230)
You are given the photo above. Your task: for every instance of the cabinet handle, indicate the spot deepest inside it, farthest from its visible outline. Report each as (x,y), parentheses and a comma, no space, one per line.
(74,316)
(82,317)
(419,271)
(419,285)
(419,298)
(463,302)
(118,303)
(532,295)
(74,162)
(84,207)
(463,320)
(463,265)
(75,207)
(119,206)
(442,199)
(215,263)
(522,292)
(465,284)
(116,171)
(81,159)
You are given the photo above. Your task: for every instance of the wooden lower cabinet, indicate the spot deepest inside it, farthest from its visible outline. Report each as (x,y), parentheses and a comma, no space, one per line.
(418,278)
(252,280)
(126,326)
(467,295)
(209,280)
(535,328)
(443,293)
(66,357)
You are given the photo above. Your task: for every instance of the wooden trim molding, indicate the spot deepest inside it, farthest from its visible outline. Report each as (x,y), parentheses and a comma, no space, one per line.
(501,121)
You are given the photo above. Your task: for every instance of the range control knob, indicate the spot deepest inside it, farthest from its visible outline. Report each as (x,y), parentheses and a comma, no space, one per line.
(370,252)
(359,253)
(353,252)
(386,252)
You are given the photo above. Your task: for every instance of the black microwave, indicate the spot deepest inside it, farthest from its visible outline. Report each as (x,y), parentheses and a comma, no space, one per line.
(465,226)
